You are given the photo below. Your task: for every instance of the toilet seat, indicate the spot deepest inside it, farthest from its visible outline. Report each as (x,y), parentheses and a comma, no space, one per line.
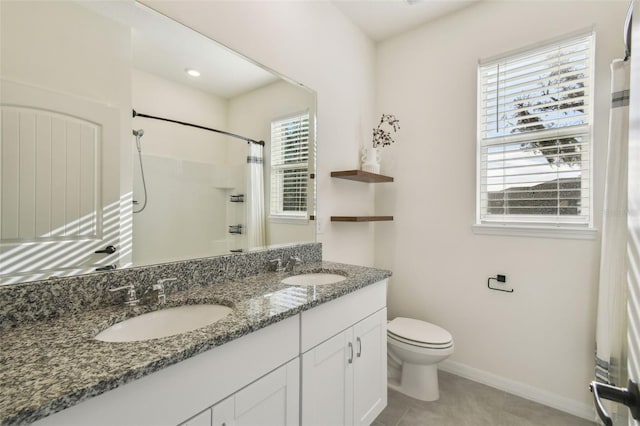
(419,333)
(423,345)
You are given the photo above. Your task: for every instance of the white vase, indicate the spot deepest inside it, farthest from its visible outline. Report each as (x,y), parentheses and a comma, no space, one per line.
(371,160)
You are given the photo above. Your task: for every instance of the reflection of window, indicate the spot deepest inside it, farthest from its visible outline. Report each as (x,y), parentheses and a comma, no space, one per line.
(289,166)
(534,136)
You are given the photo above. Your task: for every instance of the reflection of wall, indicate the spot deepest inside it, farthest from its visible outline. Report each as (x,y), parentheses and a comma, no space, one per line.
(540,340)
(252,114)
(186,214)
(157,96)
(187,172)
(41,45)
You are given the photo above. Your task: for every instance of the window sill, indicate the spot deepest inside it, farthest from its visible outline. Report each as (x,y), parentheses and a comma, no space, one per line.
(562,232)
(291,220)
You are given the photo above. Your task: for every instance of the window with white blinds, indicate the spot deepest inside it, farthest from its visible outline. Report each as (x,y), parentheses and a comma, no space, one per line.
(289,166)
(534,136)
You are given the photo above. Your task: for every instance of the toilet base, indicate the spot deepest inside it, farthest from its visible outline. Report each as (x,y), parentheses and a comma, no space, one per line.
(418,381)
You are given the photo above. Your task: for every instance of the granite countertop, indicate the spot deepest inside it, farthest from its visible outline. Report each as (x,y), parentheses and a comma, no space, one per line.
(48,366)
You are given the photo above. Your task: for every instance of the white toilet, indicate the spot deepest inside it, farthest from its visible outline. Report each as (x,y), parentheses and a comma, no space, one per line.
(414,349)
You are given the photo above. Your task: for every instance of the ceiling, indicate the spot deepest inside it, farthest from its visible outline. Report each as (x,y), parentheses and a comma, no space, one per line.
(381,19)
(166,48)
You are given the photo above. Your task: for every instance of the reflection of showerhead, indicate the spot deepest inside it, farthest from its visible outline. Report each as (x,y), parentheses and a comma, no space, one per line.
(138,134)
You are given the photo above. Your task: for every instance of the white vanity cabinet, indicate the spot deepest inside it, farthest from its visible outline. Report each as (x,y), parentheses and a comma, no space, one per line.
(266,360)
(344,359)
(202,419)
(272,400)
(370,368)
(224,412)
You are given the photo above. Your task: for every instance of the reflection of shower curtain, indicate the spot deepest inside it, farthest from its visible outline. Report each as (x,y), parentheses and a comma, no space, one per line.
(611,328)
(255,197)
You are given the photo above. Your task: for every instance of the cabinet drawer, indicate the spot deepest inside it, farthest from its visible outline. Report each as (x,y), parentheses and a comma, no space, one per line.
(322,322)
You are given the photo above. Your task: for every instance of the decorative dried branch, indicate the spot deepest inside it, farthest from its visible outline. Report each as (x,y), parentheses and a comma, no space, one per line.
(382,137)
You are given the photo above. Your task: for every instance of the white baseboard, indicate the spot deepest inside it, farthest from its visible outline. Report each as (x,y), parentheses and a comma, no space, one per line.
(522,390)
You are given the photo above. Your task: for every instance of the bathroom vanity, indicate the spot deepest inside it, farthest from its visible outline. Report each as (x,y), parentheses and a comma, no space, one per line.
(286,355)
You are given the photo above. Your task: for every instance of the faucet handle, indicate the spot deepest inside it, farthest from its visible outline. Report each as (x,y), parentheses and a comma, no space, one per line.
(292,262)
(161,282)
(162,297)
(124,287)
(132,298)
(276,264)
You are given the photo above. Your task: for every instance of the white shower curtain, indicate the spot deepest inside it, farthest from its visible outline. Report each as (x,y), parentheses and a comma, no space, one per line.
(611,328)
(255,197)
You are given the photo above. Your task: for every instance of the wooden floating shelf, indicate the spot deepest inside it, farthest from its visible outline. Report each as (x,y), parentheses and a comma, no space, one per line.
(361,176)
(360,218)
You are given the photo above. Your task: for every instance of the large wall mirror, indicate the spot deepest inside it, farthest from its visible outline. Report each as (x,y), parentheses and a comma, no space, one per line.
(86,185)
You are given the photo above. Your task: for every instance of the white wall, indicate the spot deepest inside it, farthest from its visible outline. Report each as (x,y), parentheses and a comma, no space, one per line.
(538,341)
(154,95)
(313,43)
(66,48)
(252,114)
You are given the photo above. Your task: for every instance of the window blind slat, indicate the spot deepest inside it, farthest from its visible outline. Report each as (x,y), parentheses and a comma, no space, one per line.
(492,113)
(575,44)
(509,85)
(525,189)
(527,171)
(528,161)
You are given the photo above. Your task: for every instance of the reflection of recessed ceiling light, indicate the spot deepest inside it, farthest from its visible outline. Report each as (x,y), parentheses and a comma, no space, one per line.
(192,72)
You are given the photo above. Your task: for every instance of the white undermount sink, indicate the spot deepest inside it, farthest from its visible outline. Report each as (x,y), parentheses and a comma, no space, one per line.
(164,323)
(313,279)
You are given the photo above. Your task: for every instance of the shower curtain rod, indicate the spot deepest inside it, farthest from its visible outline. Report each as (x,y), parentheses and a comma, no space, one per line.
(233,135)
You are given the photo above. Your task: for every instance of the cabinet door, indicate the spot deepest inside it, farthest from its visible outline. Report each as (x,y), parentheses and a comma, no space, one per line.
(224,413)
(327,382)
(370,368)
(272,400)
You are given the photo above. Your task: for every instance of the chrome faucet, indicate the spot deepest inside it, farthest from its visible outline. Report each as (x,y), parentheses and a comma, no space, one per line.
(291,263)
(132,299)
(162,298)
(156,292)
(276,265)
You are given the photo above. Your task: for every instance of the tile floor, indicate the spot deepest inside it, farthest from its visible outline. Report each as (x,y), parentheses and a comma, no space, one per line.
(467,403)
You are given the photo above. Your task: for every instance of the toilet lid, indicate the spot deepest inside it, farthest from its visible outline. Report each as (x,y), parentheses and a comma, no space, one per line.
(419,331)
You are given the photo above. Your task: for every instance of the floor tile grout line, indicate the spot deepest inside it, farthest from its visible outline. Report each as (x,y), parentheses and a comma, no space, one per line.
(406,410)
